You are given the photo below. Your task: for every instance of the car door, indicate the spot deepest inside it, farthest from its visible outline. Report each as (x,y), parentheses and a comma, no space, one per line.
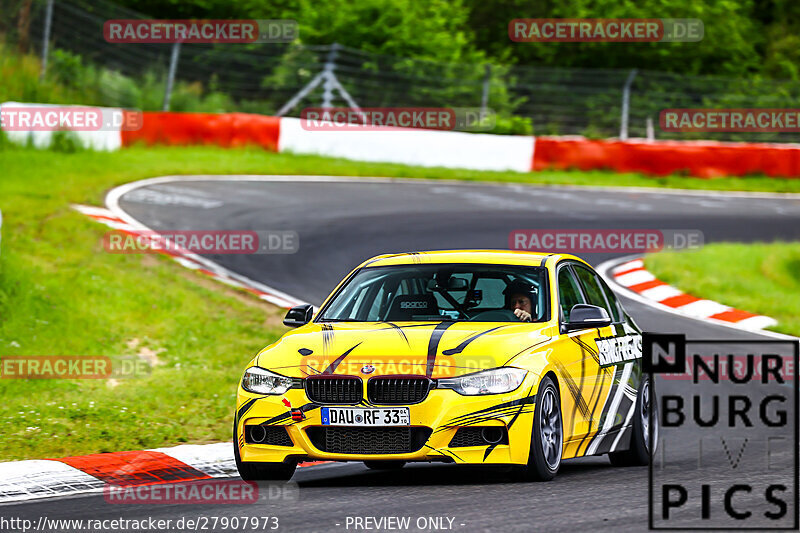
(616,363)
(576,363)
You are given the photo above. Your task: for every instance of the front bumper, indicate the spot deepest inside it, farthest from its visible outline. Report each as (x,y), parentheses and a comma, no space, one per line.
(441,414)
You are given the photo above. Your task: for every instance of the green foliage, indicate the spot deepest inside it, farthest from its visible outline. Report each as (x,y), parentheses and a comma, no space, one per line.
(19,81)
(513,126)
(742,37)
(71,81)
(66,142)
(68,69)
(732,45)
(5,144)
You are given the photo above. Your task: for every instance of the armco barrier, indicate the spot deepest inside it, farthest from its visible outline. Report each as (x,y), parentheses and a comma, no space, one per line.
(704,159)
(223,129)
(427,148)
(451,149)
(105,140)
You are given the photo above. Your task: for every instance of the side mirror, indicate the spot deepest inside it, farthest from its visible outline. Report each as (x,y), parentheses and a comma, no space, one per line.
(584,316)
(299,316)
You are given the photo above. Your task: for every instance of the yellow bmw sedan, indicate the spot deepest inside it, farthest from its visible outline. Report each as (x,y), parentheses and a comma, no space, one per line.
(470,357)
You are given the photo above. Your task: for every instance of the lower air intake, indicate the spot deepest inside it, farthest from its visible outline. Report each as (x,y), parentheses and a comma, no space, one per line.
(479,436)
(270,435)
(347,440)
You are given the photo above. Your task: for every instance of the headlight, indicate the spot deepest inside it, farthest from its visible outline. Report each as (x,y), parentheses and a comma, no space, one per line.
(263,381)
(496,381)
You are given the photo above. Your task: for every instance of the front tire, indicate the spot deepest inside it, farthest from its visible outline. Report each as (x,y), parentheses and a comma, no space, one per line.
(547,437)
(250,471)
(639,454)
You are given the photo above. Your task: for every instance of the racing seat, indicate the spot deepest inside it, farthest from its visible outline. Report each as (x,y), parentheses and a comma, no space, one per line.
(405,307)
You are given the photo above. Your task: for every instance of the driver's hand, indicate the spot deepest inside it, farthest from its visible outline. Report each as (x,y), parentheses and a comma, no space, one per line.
(522,315)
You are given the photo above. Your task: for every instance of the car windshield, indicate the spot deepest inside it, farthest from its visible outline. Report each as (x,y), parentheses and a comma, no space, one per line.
(486,293)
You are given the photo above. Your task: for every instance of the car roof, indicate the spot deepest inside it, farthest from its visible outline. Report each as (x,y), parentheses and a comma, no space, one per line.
(491,257)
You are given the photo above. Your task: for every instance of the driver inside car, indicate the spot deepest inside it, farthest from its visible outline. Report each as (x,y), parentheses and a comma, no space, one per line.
(519,299)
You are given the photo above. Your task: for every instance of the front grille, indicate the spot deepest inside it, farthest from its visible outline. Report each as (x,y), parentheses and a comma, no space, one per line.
(348,440)
(473,436)
(401,390)
(344,389)
(271,435)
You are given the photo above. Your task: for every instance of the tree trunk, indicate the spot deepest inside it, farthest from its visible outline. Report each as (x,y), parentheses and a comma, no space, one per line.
(24,26)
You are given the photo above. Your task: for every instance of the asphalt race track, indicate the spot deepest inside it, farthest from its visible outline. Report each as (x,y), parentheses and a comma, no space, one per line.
(340,223)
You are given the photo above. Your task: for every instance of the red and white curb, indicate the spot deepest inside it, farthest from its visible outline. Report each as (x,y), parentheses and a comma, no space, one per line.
(43,478)
(632,276)
(191,260)
(69,476)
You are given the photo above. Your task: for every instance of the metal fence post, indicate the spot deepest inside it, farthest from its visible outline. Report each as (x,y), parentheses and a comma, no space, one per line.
(329,85)
(626,99)
(173,67)
(48,21)
(485,96)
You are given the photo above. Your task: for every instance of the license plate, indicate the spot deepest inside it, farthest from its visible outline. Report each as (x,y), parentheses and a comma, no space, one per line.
(356,416)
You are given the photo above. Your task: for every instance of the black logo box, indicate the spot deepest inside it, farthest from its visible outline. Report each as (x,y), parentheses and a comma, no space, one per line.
(674,347)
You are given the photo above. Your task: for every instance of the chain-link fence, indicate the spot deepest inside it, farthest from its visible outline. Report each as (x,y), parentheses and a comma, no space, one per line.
(263,78)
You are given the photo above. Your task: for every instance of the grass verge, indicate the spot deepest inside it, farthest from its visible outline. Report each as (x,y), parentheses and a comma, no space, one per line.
(60,294)
(762,278)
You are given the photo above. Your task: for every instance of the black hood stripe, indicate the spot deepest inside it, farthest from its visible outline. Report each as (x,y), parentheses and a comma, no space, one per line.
(532,346)
(332,367)
(400,331)
(460,348)
(433,345)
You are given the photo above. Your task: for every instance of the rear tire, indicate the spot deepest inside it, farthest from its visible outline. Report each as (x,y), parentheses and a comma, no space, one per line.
(250,471)
(547,436)
(384,465)
(638,454)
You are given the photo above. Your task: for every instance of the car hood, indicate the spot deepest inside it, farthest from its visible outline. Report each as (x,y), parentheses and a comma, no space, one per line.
(435,349)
